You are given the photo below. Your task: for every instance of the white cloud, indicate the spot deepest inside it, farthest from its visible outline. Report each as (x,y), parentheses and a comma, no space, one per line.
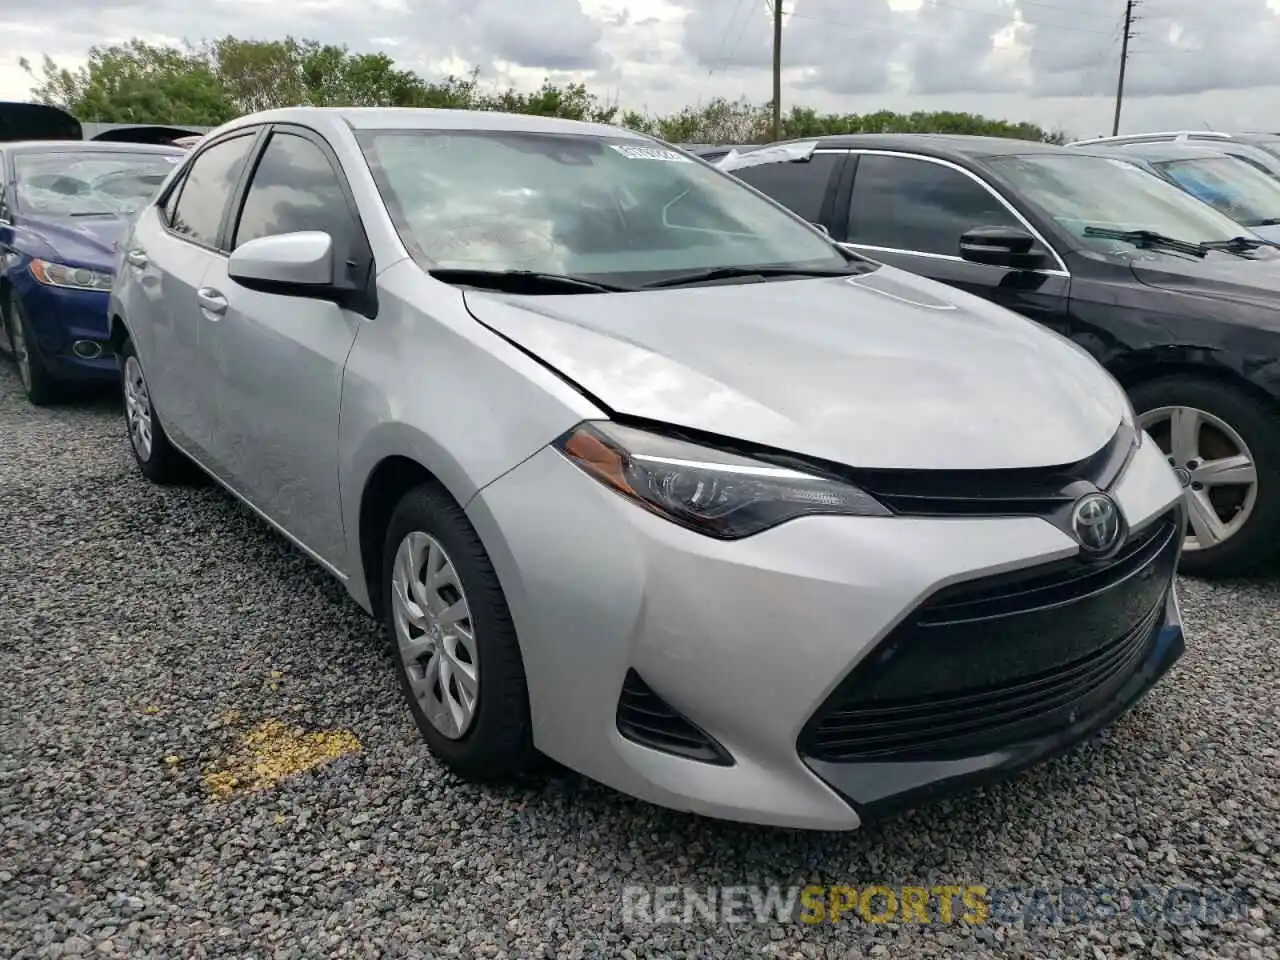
(1050,61)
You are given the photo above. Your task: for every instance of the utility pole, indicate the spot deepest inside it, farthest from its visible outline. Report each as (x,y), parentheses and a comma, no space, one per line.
(1129,7)
(777,70)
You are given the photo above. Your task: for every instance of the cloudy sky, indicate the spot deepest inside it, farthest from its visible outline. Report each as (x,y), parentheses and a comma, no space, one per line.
(1193,63)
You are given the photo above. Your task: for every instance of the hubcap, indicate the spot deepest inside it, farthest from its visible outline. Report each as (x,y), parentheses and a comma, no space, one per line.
(21,354)
(137,408)
(435,635)
(1216,467)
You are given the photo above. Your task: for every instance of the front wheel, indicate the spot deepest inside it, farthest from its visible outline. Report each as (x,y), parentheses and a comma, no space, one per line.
(453,640)
(37,382)
(1226,447)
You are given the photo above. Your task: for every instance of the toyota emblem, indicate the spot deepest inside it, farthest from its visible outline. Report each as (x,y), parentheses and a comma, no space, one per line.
(1096,523)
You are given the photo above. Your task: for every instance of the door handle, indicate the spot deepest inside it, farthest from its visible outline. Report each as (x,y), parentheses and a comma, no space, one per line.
(211,301)
(137,258)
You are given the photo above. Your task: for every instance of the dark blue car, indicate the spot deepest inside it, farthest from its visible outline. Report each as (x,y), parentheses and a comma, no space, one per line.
(64,208)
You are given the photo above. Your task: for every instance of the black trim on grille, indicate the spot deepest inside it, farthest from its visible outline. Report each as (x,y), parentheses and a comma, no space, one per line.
(645,718)
(986,664)
(1039,491)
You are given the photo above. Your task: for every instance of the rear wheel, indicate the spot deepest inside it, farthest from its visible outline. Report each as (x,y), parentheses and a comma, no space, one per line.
(159,461)
(1226,447)
(39,385)
(453,640)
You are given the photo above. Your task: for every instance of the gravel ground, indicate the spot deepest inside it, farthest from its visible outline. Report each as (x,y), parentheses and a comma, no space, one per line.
(144,630)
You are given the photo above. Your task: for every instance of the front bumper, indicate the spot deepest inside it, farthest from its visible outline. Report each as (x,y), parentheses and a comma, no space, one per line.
(743,644)
(60,318)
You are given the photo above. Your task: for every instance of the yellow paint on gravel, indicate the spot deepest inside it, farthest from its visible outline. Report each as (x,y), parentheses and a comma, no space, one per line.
(274,751)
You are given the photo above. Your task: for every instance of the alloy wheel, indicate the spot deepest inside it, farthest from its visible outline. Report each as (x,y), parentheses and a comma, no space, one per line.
(21,352)
(1217,468)
(137,402)
(435,635)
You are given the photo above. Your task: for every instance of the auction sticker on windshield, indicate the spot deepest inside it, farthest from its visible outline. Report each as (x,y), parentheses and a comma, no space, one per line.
(649,153)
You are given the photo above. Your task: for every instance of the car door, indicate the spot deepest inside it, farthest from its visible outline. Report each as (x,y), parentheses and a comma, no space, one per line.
(806,187)
(172,254)
(281,358)
(910,211)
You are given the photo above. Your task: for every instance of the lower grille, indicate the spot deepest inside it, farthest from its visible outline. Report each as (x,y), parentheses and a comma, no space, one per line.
(1003,660)
(645,718)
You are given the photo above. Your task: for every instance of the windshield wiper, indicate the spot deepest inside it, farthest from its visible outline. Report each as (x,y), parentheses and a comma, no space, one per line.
(1239,244)
(730,273)
(522,280)
(1147,238)
(93,213)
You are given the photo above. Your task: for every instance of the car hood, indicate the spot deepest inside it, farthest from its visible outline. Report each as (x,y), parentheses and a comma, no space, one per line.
(86,241)
(1219,276)
(886,370)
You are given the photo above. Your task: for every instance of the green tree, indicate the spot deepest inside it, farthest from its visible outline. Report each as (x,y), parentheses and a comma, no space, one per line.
(136,82)
(206,85)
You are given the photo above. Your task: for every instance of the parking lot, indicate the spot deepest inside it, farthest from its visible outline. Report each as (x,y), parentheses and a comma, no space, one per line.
(155,639)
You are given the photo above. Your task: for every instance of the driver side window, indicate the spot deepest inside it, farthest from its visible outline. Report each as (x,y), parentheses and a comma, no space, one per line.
(295,188)
(918,206)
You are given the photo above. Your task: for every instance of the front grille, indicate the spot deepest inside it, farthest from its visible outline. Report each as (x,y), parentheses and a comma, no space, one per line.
(645,718)
(1002,660)
(1032,491)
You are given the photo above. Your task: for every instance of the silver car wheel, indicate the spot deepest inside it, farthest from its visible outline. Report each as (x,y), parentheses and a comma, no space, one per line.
(21,352)
(1217,465)
(137,402)
(435,635)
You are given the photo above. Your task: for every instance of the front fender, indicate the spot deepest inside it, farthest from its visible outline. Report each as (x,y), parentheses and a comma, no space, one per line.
(427,382)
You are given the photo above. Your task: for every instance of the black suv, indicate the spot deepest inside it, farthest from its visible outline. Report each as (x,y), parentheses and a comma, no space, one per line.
(1179,302)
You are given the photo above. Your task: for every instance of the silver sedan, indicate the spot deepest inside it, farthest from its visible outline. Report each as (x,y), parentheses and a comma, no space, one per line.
(640,471)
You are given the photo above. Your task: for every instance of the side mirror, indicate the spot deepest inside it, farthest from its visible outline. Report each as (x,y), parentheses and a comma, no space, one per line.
(288,263)
(1000,247)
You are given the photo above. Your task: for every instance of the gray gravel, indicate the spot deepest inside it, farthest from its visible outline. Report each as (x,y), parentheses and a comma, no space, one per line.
(132,619)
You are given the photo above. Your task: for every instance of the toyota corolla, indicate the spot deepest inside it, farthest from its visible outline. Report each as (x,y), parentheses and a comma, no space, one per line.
(642,472)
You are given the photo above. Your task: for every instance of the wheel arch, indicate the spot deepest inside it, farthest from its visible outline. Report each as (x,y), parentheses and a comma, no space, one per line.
(390,478)
(118,332)
(1205,365)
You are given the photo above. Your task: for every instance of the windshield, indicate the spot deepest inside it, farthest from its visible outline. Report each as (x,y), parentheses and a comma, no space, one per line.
(64,184)
(1088,191)
(1237,189)
(612,209)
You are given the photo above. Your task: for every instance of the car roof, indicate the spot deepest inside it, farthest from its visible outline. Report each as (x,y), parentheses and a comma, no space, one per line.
(943,145)
(88,146)
(418,118)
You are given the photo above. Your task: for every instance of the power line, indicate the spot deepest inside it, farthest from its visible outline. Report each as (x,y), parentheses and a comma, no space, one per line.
(1129,20)
(720,48)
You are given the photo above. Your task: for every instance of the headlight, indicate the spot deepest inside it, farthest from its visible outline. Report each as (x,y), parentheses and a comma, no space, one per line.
(72,278)
(712,492)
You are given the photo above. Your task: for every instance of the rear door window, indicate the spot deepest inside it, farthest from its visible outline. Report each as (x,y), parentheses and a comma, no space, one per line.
(209,183)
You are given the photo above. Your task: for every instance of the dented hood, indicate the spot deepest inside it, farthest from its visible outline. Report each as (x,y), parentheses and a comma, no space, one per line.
(886,370)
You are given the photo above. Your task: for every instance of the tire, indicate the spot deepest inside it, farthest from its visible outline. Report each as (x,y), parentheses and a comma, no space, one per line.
(40,386)
(1254,519)
(495,745)
(159,461)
